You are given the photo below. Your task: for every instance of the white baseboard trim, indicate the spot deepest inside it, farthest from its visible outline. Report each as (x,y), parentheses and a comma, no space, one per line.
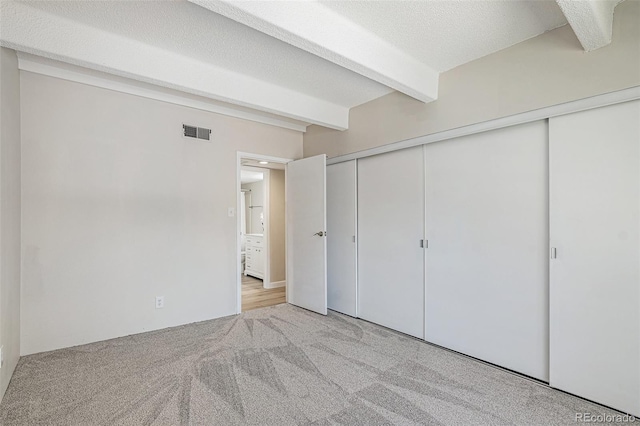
(275,284)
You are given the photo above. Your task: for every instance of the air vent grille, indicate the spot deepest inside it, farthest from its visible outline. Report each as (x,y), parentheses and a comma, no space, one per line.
(196,132)
(203,133)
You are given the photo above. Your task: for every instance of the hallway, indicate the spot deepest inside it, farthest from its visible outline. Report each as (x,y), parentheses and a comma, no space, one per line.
(255,296)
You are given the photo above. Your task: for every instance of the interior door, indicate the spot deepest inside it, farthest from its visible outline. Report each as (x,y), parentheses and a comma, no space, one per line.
(390,230)
(341,237)
(306,201)
(595,272)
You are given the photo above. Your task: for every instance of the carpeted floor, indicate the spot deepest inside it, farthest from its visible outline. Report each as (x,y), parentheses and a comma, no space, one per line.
(279,365)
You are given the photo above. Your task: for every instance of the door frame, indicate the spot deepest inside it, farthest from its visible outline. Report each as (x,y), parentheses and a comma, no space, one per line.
(267,268)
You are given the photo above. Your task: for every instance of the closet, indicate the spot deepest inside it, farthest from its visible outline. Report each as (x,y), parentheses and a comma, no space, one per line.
(595,270)
(341,237)
(487,227)
(390,232)
(518,246)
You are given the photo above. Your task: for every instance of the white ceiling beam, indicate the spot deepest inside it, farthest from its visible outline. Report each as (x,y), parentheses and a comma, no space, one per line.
(591,20)
(63,71)
(34,31)
(314,28)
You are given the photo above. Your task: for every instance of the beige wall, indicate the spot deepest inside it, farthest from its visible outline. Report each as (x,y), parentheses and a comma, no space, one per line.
(9,214)
(277,235)
(547,70)
(118,208)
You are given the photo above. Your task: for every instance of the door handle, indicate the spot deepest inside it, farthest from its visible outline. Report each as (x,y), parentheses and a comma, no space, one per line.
(320,234)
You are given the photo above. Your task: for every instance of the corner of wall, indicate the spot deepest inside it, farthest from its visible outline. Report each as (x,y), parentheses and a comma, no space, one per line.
(10,215)
(277,237)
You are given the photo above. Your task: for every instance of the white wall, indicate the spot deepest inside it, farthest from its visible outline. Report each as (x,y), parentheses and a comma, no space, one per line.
(9,214)
(277,236)
(118,207)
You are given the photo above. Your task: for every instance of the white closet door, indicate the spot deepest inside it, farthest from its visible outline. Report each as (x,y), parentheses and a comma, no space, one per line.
(390,227)
(341,237)
(595,278)
(487,261)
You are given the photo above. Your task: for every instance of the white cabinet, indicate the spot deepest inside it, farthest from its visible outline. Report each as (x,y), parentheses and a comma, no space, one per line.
(341,237)
(595,236)
(255,256)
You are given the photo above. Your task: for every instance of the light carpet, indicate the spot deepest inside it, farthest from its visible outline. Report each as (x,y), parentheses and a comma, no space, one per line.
(275,366)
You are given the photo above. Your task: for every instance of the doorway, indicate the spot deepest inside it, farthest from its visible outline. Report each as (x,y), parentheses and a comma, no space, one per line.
(261,231)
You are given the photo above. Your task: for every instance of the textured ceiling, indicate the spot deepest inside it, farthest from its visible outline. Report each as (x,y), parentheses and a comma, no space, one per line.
(256,163)
(445,34)
(187,29)
(309,61)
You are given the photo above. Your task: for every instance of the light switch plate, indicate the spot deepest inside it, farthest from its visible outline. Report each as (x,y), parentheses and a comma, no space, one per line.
(231,212)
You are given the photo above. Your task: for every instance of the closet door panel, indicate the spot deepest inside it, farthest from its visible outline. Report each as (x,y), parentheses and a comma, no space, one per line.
(487,261)
(341,235)
(390,227)
(595,278)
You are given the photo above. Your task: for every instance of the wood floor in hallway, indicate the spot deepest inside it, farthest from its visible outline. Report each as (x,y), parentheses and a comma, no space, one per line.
(254,295)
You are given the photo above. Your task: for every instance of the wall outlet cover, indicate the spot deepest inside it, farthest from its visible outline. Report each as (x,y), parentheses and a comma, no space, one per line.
(159,302)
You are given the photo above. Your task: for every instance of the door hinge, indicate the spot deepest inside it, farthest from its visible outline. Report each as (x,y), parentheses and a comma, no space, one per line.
(553,253)
(424,244)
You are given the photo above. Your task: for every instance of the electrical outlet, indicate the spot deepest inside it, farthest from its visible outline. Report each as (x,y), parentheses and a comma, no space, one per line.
(159,302)
(231,212)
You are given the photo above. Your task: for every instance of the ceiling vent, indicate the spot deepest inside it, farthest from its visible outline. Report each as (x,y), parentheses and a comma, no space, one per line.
(196,132)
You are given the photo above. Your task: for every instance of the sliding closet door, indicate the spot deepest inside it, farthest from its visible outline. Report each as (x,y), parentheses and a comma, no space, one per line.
(390,227)
(341,237)
(487,263)
(595,276)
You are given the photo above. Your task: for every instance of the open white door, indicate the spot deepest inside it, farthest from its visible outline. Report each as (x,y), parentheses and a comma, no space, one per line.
(306,233)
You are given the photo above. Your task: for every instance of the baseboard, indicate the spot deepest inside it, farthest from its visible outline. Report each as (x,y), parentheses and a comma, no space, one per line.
(275,284)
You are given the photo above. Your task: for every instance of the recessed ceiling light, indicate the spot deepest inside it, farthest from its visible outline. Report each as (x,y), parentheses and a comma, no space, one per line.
(263,162)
